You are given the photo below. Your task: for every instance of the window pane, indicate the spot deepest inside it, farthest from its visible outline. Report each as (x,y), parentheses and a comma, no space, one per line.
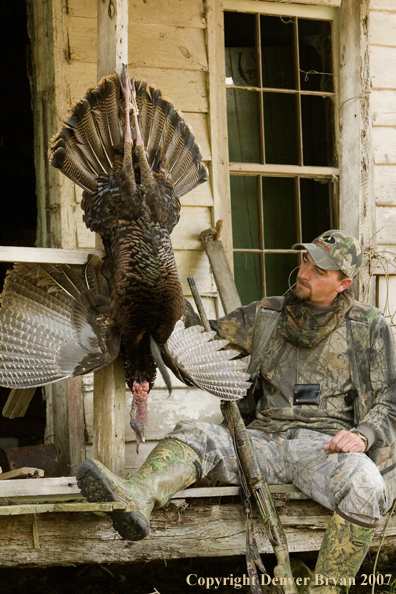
(277,270)
(240,43)
(243,126)
(318,130)
(247,276)
(244,210)
(315,208)
(279,206)
(316,62)
(280,128)
(278,52)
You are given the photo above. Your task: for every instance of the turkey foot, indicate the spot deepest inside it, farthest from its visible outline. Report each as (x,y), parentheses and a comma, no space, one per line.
(138,412)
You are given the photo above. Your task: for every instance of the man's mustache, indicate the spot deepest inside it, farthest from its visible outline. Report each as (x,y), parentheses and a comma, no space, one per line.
(303,282)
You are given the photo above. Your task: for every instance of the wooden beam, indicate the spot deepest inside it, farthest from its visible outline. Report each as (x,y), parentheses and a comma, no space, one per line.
(357,202)
(219,175)
(108,417)
(46,255)
(109,383)
(60,486)
(18,402)
(22,473)
(221,271)
(284,170)
(112,28)
(199,530)
(76,423)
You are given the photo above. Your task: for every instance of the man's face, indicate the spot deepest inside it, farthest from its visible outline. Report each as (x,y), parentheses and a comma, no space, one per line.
(317,286)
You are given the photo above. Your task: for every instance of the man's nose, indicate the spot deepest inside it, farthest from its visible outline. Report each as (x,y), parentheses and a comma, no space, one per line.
(304,271)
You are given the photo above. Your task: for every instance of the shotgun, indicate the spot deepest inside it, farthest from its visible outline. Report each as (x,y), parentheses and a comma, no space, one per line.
(253,483)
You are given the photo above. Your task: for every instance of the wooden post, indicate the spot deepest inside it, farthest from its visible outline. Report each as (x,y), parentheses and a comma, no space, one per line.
(219,172)
(356,152)
(109,383)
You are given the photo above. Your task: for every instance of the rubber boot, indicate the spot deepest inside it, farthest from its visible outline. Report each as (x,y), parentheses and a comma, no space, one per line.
(171,466)
(341,554)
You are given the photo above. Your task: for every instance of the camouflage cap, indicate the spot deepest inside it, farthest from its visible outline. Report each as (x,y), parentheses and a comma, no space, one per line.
(335,250)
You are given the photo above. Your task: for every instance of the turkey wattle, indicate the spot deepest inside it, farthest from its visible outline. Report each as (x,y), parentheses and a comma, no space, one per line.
(134,156)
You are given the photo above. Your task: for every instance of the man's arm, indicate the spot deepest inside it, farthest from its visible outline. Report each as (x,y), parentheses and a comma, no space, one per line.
(379,424)
(237,327)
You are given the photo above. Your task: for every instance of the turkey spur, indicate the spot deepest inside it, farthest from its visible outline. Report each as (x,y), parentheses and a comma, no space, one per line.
(134,156)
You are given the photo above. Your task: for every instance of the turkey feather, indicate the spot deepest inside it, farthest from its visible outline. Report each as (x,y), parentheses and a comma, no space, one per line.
(134,156)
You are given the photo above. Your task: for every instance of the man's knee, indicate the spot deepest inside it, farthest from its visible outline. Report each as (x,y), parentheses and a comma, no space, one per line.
(362,494)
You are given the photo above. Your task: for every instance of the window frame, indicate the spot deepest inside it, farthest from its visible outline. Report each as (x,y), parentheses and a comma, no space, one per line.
(314,12)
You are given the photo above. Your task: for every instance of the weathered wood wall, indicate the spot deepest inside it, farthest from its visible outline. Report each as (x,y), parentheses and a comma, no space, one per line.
(200,529)
(383,105)
(178,46)
(167,47)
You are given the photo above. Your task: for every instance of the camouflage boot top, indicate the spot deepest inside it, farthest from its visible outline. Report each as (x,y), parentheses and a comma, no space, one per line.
(171,466)
(343,550)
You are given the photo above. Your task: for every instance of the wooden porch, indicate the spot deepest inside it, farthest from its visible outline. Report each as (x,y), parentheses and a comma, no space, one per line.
(46,522)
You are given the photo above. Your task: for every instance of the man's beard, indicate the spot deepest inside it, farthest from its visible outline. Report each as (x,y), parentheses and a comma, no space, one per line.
(300,293)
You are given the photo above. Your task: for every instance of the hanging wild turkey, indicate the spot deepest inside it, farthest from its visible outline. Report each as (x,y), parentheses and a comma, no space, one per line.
(57,321)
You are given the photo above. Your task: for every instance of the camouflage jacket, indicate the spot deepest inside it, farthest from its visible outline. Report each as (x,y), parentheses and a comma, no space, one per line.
(359,354)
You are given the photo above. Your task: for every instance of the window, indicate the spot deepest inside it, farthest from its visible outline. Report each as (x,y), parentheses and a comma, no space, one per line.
(281,88)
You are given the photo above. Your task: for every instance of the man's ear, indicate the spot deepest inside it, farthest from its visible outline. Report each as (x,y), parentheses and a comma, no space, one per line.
(344,284)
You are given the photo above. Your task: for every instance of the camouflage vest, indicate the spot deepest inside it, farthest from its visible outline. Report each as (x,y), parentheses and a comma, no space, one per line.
(360,320)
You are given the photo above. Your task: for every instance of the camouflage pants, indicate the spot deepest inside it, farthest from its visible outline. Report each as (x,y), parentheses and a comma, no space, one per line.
(349,482)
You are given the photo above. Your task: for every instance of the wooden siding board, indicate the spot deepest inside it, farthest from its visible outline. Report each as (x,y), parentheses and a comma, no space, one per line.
(387,5)
(164,411)
(193,220)
(385,185)
(386,224)
(178,12)
(384,145)
(195,263)
(200,196)
(383,67)
(383,106)
(185,88)
(383,28)
(198,122)
(170,47)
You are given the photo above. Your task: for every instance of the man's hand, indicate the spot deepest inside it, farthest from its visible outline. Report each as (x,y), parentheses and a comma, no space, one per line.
(345,441)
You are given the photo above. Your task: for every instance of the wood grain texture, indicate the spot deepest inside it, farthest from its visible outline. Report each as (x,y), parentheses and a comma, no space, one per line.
(178,12)
(171,47)
(384,139)
(383,28)
(45,255)
(202,530)
(224,280)
(219,173)
(387,5)
(383,67)
(357,205)
(186,89)
(163,411)
(383,105)
(108,417)
(193,220)
(385,185)
(386,224)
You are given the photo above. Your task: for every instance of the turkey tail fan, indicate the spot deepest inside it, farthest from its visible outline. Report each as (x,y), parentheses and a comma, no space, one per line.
(84,149)
(51,327)
(169,141)
(200,359)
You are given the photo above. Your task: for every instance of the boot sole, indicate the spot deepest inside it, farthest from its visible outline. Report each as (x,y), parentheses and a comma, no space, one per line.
(96,488)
